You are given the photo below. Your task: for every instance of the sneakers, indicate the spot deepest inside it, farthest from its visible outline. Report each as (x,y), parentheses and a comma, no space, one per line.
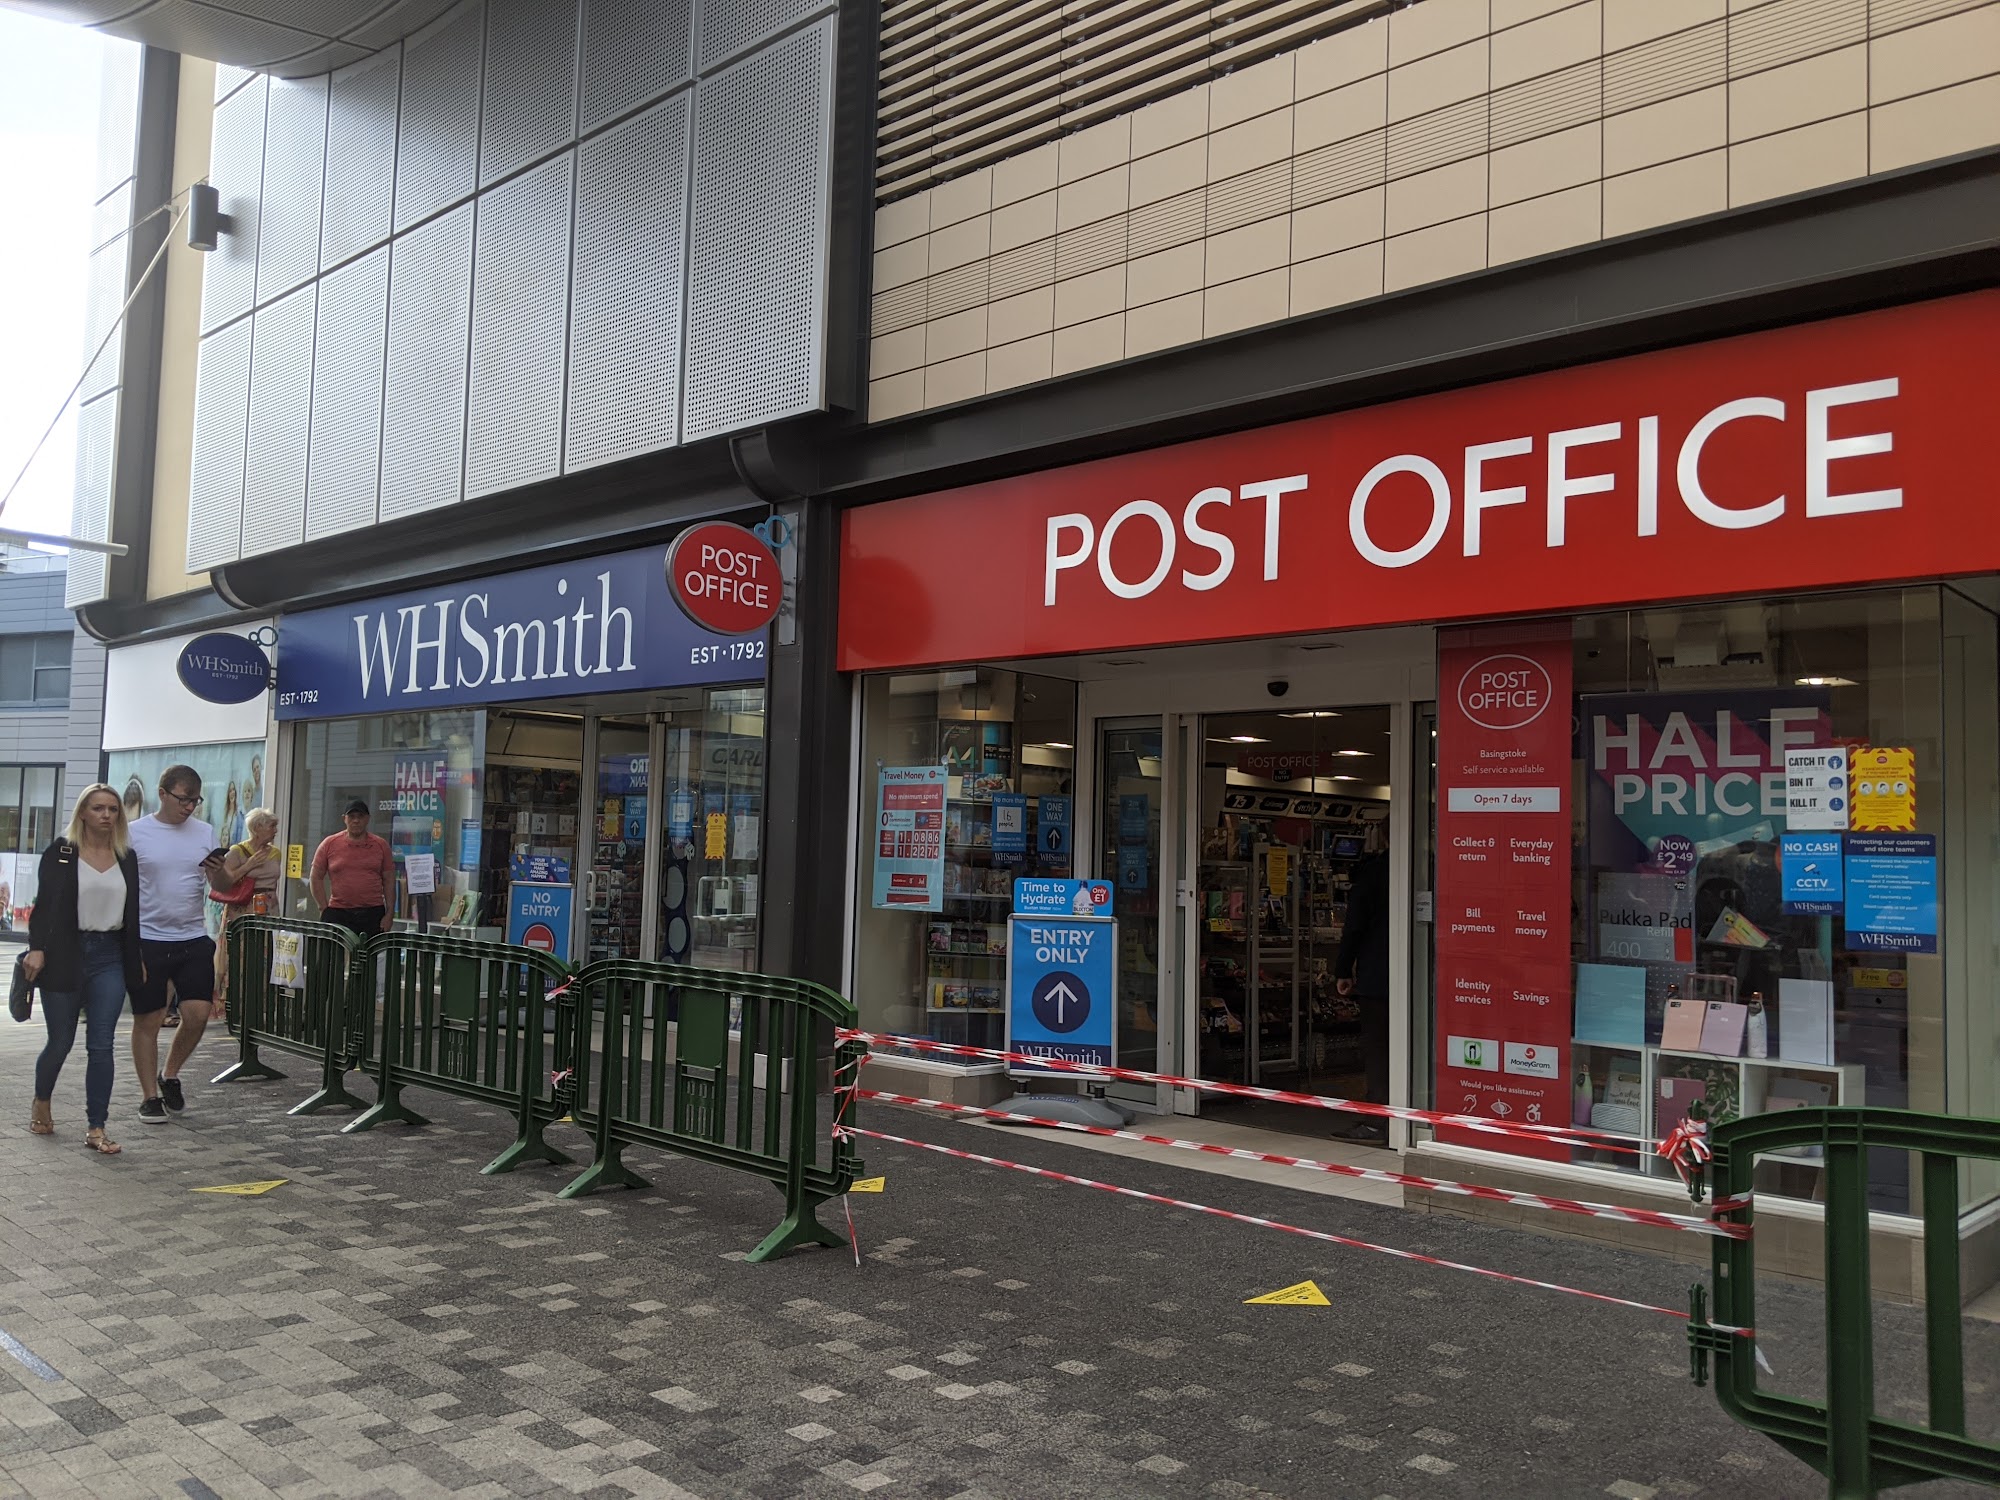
(171,1095)
(152,1112)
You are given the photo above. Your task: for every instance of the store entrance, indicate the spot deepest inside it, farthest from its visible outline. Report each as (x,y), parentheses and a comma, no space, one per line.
(1291,898)
(645,823)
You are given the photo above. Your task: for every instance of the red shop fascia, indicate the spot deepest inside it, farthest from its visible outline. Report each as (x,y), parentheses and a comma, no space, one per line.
(1850,451)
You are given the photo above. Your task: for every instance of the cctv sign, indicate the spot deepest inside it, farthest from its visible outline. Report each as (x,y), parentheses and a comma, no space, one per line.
(1829,453)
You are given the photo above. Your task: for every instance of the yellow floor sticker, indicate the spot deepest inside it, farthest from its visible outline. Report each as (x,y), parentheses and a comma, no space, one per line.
(1305,1294)
(245,1189)
(869,1185)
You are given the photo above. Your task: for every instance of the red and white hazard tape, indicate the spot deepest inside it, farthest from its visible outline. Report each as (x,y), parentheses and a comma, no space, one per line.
(1650,1217)
(1553,1135)
(1263,1223)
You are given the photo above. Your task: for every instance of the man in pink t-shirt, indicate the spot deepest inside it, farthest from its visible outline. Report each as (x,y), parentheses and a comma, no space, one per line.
(354,876)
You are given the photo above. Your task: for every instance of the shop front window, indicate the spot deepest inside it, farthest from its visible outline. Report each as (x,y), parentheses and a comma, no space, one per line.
(712,796)
(966,784)
(1767,811)
(422,776)
(29,822)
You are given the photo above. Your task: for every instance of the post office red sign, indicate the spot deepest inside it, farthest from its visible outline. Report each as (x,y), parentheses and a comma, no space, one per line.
(724,578)
(1846,451)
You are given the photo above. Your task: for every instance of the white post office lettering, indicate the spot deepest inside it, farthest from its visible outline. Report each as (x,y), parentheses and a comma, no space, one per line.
(1628,457)
(1059,558)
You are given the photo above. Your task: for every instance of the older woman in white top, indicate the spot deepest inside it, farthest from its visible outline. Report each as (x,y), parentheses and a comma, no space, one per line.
(83,952)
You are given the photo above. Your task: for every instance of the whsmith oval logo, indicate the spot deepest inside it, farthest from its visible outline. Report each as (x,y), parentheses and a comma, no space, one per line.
(221,668)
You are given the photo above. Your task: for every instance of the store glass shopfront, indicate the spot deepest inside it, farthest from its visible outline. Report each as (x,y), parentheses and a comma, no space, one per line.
(1734,845)
(589,781)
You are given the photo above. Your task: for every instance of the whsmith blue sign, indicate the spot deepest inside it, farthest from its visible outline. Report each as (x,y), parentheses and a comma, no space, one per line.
(1062,978)
(606,625)
(221,668)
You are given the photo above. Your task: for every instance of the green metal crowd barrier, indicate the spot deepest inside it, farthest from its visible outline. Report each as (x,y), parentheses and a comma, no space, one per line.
(1845,1438)
(720,1066)
(469,1019)
(717,1065)
(311,1018)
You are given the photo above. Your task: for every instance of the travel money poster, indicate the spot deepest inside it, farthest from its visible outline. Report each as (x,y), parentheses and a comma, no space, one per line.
(909,837)
(1503,878)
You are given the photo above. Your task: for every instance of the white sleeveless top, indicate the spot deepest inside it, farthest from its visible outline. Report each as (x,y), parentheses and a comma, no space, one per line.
(100,897)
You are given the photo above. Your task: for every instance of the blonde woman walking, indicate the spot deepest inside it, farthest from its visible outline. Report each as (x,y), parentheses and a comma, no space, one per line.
(84,953)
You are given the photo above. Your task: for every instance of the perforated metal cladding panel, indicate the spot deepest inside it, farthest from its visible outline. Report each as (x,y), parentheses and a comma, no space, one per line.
(215,477)
(633,50)
(229,78)
(236,167)
(758,247)
(437,146)
(294,171)
(519,305)
(625,299)
(274,461)
(90,498)
(423,394)
(118,116)
(530,88)
(106,295)
(360,157)
(727,27)
(344,457)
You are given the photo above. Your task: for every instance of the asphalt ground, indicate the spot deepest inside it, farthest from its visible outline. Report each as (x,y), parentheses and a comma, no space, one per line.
(391,1323)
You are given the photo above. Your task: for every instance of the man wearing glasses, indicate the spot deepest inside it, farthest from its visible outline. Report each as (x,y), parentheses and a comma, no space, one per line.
(178,861)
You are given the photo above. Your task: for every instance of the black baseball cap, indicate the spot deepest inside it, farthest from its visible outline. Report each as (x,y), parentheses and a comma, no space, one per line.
(358,806)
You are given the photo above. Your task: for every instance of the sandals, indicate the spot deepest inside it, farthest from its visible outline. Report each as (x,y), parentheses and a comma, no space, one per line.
(101,1143)
(40,1120)
(173,1019)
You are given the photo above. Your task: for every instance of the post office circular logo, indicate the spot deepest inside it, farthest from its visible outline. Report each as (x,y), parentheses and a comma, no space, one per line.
(724,577)
(1505,691)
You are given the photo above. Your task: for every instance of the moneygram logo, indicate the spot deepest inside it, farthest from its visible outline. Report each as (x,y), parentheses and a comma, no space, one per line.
(1507,691)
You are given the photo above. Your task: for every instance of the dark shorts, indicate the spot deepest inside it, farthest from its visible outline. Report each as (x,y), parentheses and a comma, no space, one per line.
(188,966)
(363,921)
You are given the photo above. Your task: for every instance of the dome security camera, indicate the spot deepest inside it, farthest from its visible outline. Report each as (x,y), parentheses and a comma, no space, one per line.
(1277,687)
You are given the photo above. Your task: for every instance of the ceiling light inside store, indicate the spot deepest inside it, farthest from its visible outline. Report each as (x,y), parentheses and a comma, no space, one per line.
(1312,713)
(1248,739)
(1057,745)
(1354,752)
(1825,682)
(1344,777)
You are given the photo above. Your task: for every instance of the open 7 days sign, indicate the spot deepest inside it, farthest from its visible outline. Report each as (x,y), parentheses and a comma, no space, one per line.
(1835,452)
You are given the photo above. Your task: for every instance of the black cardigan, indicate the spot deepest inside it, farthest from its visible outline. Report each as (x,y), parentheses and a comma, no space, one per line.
(52,924)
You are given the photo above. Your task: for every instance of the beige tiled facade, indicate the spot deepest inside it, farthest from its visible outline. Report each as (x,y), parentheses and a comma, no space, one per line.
(1446,138)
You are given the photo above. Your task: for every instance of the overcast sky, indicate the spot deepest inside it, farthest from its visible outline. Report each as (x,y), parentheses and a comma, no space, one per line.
(49,79)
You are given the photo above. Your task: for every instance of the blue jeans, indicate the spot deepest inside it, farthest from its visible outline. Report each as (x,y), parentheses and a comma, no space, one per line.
(100,998)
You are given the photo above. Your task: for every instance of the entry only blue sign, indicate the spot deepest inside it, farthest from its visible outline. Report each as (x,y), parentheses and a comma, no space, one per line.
(1061,990)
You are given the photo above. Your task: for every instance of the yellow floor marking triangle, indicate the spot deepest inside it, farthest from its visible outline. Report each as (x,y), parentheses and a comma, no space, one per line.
(245,1189)
(870,1185)
(1305,1294)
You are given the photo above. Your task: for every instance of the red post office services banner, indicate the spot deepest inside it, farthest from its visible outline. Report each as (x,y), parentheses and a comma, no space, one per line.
(1845,451)
(1503,879)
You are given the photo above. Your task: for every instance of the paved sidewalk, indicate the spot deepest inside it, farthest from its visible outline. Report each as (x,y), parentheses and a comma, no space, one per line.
(390,1323)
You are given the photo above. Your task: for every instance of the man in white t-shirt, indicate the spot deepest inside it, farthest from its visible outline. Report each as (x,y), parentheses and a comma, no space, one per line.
(178,863)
